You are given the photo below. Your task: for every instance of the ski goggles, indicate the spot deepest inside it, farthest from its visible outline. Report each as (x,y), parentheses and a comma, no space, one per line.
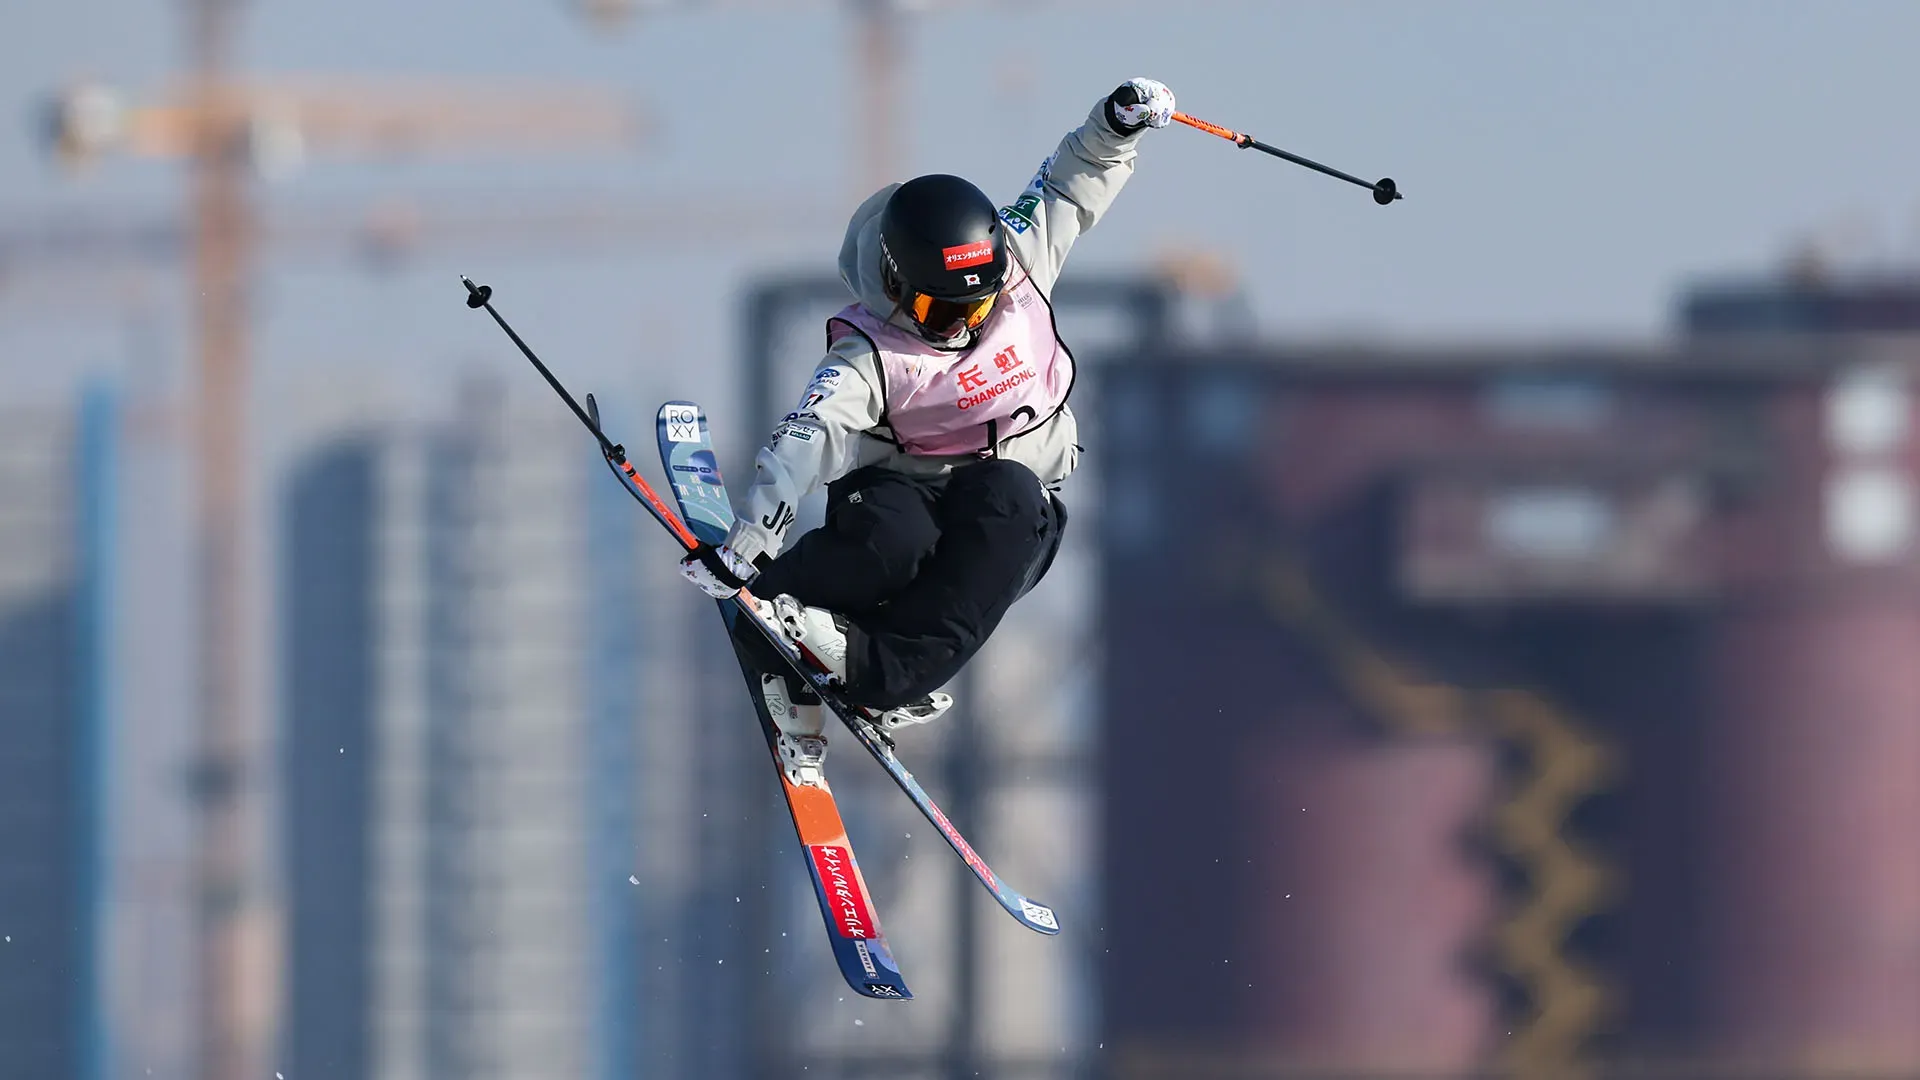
(947,318)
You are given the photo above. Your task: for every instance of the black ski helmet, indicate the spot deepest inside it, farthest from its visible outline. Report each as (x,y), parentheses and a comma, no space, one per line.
(943,254)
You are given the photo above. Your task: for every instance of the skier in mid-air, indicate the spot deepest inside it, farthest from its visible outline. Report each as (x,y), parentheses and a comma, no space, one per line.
(938,423)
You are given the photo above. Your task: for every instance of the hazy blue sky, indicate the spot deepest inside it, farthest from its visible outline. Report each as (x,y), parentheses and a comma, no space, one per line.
(1566,166)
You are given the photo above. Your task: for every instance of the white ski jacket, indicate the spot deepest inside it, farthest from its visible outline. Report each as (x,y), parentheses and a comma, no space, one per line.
(836,425)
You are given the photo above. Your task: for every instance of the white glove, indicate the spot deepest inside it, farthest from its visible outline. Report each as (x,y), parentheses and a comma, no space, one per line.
(1139,103)
(717,571)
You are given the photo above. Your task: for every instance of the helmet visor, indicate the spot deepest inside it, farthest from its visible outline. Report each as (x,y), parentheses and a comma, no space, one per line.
(947,318)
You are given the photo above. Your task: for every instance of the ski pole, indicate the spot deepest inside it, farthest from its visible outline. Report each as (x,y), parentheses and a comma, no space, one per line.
(1384,191)
(480,296)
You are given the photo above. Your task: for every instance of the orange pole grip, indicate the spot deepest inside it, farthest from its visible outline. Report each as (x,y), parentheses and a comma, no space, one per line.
(1228,134)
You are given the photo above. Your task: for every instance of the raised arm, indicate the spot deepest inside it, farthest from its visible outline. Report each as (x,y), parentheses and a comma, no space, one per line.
(1076,184)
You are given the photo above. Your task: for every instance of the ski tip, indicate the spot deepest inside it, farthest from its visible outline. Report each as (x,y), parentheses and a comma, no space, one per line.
(881,991)
(1039,917)
(868,965)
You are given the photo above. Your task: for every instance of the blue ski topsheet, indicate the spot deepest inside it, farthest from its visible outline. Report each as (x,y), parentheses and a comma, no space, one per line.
(687,453)
(859,944)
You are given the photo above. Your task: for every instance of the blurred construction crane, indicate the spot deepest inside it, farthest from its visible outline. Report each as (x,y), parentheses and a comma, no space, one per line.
(55,264)
(880,28)
(228,130)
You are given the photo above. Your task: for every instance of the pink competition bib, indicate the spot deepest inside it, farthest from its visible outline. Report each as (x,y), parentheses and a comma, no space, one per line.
(1014,377)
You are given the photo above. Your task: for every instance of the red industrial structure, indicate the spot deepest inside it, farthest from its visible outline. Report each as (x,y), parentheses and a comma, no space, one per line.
(1549,708)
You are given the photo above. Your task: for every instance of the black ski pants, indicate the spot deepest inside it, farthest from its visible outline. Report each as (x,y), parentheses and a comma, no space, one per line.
(922,568)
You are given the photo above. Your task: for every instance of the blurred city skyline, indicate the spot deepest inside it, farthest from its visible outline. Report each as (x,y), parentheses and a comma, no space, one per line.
(1571,177)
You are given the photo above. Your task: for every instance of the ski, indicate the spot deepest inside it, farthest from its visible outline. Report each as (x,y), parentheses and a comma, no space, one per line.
(686,452)
(853,930)
(854,934)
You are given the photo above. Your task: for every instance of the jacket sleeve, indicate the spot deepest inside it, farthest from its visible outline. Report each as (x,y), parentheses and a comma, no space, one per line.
(1073,187)
(814,445)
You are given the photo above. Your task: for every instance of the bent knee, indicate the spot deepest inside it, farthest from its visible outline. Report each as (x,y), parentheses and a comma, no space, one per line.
(999,487)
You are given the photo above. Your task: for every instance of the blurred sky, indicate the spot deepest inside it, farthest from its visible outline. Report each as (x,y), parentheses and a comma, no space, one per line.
(1567,167)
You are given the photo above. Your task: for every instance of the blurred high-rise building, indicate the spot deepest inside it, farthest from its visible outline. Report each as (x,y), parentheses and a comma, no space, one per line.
(57,494)
(460,694)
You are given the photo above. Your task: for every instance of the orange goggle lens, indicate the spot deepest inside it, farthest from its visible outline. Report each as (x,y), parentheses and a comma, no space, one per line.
(946,318)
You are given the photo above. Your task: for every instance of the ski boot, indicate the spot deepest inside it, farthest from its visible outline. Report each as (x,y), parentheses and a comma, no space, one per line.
(821,637)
